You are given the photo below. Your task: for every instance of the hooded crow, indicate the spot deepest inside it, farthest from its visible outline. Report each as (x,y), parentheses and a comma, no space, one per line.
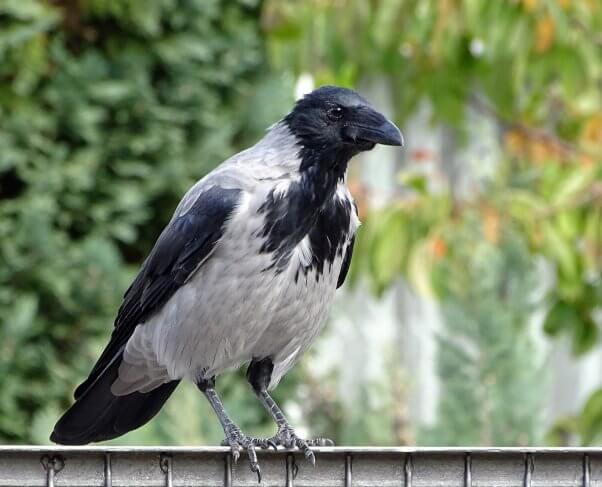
(244,273)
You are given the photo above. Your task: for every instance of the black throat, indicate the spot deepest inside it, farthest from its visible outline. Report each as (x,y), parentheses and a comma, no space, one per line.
(309,208)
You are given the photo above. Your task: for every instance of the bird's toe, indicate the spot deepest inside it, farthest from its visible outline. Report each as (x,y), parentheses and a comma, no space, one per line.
(264,443)
(287,438)
(237,441)
(303,446)
(234,448)
(320,442)
(254,464)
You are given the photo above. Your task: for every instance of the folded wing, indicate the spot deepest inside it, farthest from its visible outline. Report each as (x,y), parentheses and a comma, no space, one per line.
(183,246)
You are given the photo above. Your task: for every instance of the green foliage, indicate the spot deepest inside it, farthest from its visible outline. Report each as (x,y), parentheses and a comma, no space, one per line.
(109,111)
(487,358)
(513,52)
(564,223)
(366,416)
(586,426)
(479,267)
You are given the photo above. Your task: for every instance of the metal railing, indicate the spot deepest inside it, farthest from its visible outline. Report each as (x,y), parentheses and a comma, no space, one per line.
(35,466)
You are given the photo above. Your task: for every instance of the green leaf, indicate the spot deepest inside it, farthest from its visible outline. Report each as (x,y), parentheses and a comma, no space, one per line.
(590,419)
(573,184)
(563,252)
(560,317)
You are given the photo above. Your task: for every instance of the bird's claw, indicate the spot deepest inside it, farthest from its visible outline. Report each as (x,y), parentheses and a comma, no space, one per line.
(287,438)
(237,441)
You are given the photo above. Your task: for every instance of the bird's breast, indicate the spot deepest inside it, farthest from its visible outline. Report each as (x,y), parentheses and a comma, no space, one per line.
(294,232)
(246,300)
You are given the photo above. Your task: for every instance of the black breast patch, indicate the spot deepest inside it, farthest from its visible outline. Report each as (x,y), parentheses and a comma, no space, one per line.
(291,217)
(329,234)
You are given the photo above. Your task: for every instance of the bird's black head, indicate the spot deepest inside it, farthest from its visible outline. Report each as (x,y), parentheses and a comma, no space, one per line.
(341,121)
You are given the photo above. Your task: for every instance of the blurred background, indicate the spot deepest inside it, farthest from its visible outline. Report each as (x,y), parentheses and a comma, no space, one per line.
(473,311)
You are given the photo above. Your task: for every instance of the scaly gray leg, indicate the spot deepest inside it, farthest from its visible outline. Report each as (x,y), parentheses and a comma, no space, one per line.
(259,375)
(234,436)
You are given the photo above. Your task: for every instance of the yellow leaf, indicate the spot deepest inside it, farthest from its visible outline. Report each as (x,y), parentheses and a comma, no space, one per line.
(564,4)
(530,5)
(592,130)
(544,34)
(514,142)
(420,269)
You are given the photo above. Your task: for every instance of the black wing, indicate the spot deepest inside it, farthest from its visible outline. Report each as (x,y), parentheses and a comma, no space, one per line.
(346,263)
(179,250)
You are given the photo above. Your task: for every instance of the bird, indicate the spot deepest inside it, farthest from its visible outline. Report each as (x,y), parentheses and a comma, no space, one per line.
(244,273)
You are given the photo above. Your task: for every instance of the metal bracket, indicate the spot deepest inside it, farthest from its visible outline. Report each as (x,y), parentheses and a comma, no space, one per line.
(228,470)
(587,469)
(53,465)
(292,469)
(529,468)
(108,471)
(165,464)
(348,470)
(407,470)
(467,470)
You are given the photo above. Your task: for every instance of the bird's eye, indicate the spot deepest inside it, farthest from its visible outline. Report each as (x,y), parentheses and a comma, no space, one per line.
(335,113)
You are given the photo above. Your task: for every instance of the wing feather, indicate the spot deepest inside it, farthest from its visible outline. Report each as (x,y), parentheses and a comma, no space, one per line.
(181,248)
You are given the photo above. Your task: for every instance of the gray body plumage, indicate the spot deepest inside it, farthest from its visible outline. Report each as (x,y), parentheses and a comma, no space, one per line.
(235,306)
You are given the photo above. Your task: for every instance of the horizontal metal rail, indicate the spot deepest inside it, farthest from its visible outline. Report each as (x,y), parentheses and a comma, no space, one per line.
(35,466)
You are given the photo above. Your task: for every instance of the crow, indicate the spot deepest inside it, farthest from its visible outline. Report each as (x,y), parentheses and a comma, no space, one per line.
(244,273)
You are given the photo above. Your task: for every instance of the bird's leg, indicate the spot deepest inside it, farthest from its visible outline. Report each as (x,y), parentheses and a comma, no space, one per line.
(234,436)
(259,375)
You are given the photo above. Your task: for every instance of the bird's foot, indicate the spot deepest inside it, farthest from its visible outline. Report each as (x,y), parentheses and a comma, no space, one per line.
(237,441)
(287,438)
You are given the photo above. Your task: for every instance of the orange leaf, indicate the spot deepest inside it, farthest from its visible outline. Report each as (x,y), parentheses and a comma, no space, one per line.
(421,155)
(438,247)
(360,196)
(540,151)
(514,142)
(491,225)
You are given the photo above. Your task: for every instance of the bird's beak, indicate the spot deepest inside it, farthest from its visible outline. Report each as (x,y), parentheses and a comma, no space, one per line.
(373,128)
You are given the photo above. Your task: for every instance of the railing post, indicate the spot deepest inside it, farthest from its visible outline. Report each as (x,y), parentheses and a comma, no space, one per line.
(52,465)
(291,470)
(228,470)
(108,471)
(586,471)
(467,470)
(348,470)
(165,464)
(529,468)
(407,469)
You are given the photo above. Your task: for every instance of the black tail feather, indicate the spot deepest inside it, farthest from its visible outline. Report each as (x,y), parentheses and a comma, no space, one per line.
(98,415)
